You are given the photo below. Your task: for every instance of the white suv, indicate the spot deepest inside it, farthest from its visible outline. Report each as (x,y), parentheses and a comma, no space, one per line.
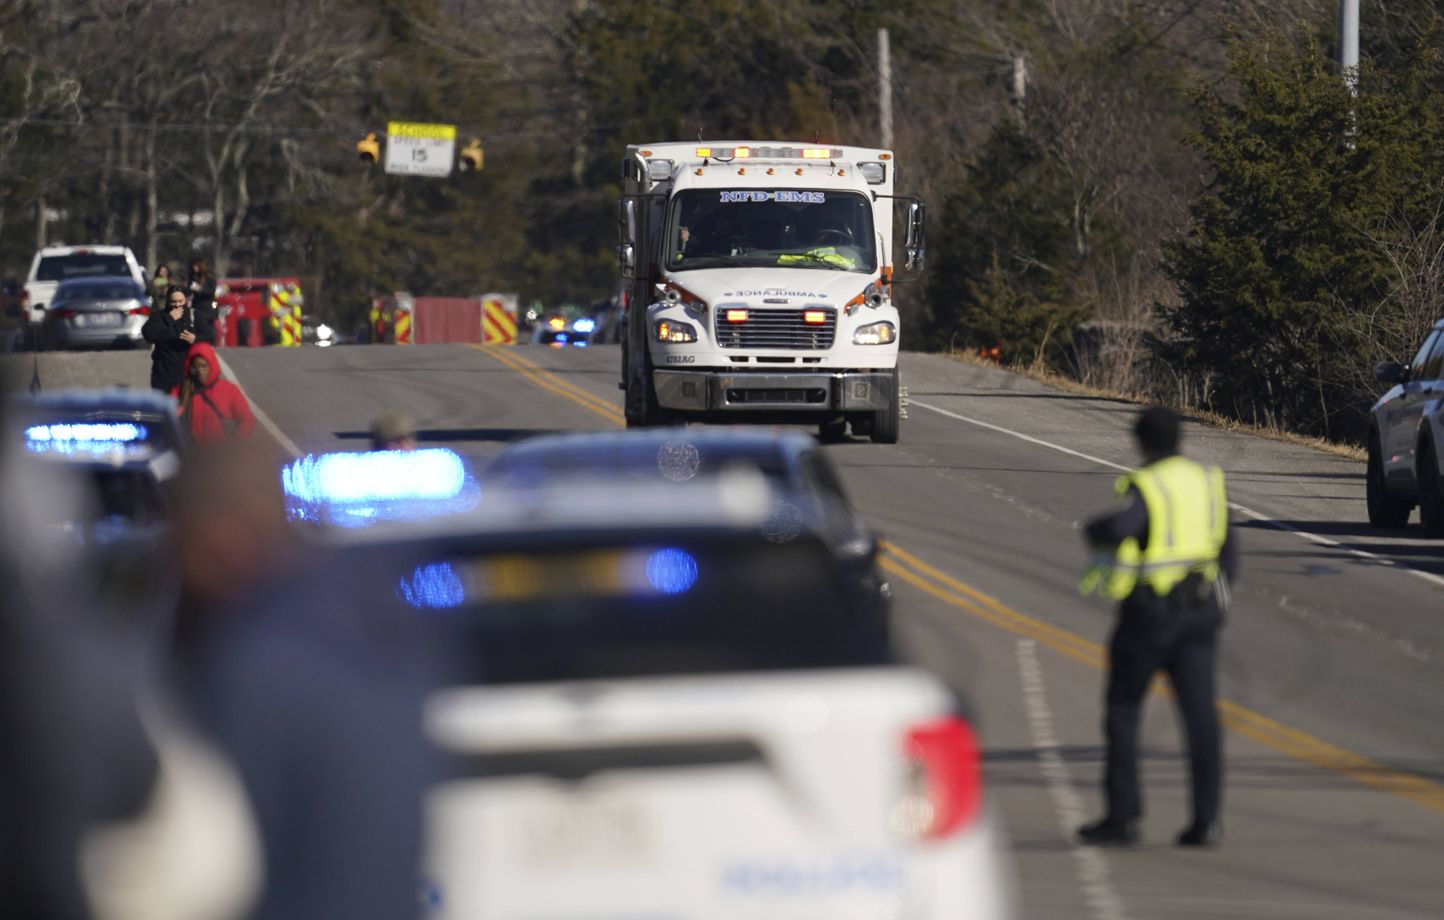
(1404,439)
(671,705)
(55,264)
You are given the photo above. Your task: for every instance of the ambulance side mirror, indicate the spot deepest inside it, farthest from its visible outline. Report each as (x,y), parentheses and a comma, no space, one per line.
(627,247)
(916,244)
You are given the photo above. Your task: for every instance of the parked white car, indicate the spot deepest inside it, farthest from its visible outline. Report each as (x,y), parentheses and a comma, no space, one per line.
(55,264)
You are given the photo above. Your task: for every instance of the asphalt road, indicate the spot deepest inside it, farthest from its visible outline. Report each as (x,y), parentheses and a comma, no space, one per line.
(1332,662)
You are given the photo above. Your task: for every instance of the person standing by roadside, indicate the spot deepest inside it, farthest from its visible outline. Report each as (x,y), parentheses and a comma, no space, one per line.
(203,301)
(212,409)
(171,337)
(159,284)
(1167,558)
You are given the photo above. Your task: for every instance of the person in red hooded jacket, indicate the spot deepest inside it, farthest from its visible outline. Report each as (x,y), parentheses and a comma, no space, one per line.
(212,409)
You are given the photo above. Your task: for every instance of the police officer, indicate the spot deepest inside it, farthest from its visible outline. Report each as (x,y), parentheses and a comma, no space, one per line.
(1167,557)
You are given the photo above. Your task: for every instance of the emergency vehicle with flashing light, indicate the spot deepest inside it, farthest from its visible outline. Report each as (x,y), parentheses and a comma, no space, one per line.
(670,709)
(260,311)
(760,283)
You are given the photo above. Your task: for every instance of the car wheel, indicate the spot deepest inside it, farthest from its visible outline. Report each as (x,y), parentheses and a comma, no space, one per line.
(1384,509)
(1431,494)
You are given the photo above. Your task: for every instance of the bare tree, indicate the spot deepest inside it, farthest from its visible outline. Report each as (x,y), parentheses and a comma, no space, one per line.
(274,62)
(1390,330)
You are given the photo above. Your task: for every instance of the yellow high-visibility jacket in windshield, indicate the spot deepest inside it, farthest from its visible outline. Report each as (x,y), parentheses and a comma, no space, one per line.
(1187,508)
(828,255)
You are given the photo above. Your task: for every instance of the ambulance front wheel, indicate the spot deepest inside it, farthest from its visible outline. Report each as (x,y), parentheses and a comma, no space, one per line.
(885,422)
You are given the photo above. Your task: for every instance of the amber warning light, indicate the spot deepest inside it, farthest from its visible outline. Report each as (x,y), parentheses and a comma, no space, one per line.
(736,316)
(814,317)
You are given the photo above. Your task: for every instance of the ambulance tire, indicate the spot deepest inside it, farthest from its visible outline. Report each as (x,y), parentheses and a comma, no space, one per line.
(833,430)
(885,422)
(651,415)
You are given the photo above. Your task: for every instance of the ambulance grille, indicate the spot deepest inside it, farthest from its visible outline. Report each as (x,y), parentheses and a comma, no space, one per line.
(774,328)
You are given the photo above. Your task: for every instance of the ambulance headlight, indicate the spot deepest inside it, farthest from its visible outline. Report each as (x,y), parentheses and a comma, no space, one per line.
(875,334)
(671,331)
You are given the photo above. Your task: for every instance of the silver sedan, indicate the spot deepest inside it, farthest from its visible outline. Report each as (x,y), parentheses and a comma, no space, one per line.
(95,313)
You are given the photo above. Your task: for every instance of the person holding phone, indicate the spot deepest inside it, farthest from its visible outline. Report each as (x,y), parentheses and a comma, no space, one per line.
(170,334)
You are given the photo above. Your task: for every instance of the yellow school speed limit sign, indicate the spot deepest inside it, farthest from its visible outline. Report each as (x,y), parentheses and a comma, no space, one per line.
(417,149)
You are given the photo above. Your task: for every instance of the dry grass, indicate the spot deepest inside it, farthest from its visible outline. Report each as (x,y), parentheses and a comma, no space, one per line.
(1059,381)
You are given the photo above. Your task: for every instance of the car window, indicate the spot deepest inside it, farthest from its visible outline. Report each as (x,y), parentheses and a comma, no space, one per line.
(674,461)
(1433,367)
(606,610)
(130,495)
(1423,353)
(80,265)
(822,473)
(89,290)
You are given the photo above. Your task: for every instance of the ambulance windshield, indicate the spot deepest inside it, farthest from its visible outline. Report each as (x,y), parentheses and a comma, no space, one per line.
(753,228)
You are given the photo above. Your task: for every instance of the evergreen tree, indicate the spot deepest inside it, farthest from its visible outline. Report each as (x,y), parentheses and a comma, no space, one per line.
(1283,247)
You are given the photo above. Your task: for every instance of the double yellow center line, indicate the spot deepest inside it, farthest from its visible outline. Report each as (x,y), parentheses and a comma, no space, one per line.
(961,596)
(552,383)
(1253,725)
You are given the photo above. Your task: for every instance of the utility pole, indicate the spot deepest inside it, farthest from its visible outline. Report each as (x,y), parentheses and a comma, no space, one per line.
(884,102)
(1349,44)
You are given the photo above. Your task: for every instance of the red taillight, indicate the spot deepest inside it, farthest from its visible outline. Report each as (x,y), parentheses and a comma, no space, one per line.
(948,778)
(140,311)
(64,313)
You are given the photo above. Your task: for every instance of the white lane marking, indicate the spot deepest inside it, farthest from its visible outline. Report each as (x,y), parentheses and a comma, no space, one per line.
(258,412)
(1241,509)
(1090,866)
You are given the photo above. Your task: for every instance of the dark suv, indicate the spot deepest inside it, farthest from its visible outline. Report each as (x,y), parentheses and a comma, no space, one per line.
(1404,438)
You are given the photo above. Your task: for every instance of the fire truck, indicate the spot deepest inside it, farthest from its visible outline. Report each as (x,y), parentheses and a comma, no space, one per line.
(759,278)
(259,311)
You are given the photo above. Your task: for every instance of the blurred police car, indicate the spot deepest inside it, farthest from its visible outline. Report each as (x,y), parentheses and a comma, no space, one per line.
(559,331)
(664,710)
(113,451)
(795,465)
(128,442)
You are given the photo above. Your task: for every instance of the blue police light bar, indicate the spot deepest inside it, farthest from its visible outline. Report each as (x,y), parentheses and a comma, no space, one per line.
(377,476)
(87,433)
(432,587)
(87,439)
(672,571)
(585,324)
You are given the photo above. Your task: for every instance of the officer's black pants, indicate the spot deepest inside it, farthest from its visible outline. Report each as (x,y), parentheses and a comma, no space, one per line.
(1180,638)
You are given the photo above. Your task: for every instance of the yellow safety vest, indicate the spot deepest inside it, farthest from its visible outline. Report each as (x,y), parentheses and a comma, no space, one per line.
(826,254)
(1187,525)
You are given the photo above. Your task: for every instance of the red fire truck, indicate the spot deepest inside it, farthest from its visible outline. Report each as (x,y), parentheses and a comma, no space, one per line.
(259,311)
